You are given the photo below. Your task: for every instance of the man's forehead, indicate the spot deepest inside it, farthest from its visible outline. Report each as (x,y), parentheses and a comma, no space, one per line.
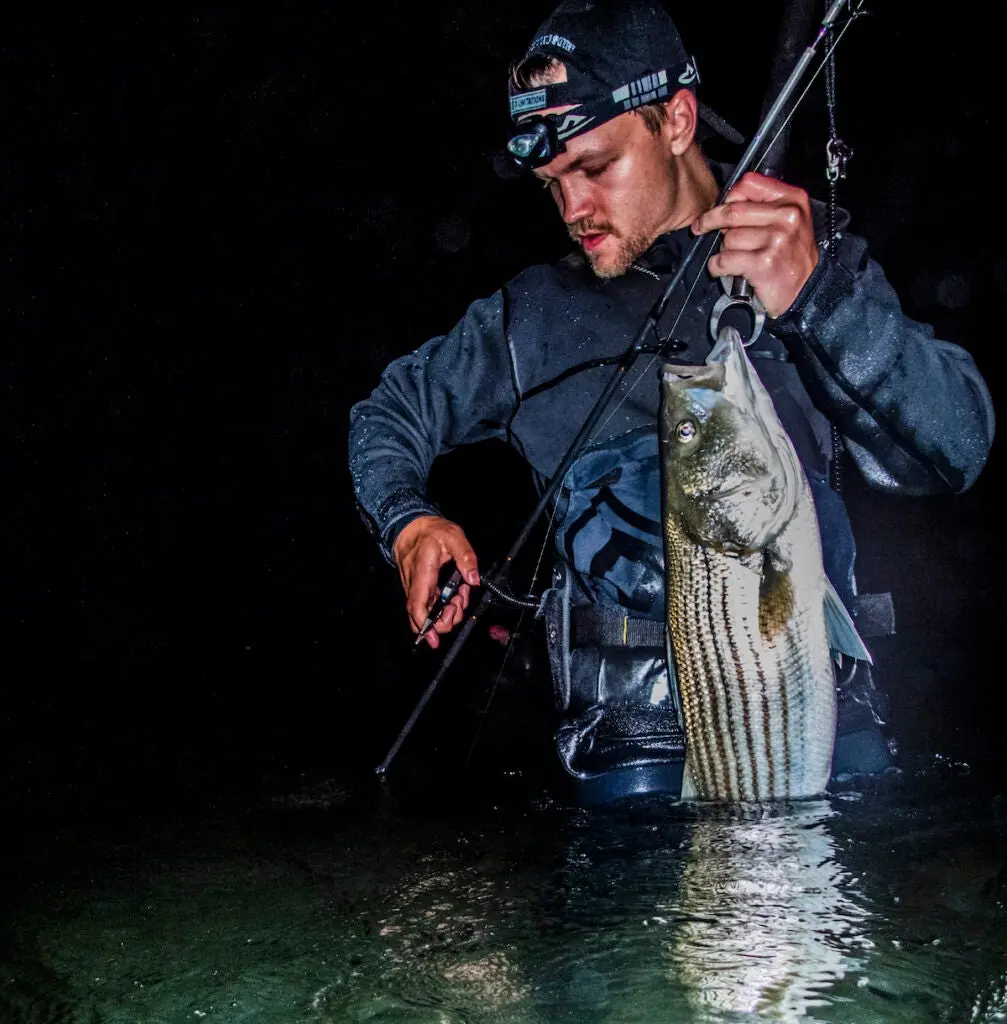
(599,141)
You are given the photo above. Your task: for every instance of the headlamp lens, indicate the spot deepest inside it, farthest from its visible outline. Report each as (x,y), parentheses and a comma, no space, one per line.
(534,144)
(522,146)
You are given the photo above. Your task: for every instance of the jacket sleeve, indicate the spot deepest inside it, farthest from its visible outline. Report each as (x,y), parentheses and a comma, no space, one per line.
(455,389)
(913,411)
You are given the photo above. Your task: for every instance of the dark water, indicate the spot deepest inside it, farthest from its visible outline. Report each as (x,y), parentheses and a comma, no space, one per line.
(331,904)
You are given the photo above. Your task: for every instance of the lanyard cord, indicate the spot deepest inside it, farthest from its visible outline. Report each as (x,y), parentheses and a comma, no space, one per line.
(511,641)
(837,156)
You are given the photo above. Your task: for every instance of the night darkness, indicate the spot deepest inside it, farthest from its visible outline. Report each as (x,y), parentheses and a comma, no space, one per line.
(220,227)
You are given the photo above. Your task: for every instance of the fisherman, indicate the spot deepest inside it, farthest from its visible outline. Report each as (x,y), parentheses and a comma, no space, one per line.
(606,116)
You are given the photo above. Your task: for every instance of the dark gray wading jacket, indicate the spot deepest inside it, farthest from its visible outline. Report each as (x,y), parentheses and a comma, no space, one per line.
(913,412)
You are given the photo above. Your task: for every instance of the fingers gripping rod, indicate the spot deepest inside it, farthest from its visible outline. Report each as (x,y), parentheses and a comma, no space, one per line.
(737,291)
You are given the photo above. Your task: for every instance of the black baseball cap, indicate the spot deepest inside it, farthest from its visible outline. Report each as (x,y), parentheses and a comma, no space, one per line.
(619,55)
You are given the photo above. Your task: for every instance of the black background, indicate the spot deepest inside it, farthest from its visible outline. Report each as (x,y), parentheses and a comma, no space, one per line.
(219,227)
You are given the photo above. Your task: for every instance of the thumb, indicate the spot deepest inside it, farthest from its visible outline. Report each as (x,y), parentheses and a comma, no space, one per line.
(466,561)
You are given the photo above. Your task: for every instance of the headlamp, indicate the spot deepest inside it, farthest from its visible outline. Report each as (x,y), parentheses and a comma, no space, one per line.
(534,143)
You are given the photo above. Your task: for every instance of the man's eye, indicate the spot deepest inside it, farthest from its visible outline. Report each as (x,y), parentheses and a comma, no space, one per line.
(595,172)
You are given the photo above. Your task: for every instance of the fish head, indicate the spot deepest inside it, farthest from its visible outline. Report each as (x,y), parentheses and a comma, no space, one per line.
(731,476)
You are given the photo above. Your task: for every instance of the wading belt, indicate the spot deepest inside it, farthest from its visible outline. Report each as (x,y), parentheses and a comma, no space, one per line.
(599,626)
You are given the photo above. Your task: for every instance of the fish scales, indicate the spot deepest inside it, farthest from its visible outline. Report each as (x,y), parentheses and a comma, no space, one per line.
(750,728)
(745,589)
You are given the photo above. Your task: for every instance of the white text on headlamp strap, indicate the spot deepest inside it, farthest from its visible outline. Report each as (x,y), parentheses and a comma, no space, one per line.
(524,102)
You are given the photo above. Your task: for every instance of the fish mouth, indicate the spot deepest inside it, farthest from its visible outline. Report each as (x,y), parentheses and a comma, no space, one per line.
(757,509)
(754,485)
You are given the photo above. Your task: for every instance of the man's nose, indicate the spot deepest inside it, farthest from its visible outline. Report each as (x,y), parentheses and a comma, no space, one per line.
(574,201)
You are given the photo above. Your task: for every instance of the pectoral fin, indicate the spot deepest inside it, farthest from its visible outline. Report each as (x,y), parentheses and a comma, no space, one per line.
(839,628)
(688,783)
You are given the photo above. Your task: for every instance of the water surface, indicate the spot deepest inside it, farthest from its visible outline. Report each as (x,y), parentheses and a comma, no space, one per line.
(314,906)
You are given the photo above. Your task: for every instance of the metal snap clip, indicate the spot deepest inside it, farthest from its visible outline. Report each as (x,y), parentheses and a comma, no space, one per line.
(738,295)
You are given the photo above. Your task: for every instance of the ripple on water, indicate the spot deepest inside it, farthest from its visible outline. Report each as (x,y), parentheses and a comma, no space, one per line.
(880,911)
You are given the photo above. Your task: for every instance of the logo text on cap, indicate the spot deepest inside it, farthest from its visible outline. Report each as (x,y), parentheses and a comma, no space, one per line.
(560,42)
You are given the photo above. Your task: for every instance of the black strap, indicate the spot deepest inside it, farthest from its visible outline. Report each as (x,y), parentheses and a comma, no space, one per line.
(600,626)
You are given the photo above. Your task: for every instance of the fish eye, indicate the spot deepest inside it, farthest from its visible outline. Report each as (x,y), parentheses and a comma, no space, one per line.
(686,430)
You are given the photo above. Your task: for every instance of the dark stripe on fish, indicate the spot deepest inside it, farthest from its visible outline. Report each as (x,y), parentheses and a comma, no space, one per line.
(784,683)
(767,726)
(733,784)
(736,659)
(705,783)
(725,790)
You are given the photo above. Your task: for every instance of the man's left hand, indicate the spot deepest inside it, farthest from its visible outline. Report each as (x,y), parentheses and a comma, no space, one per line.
(768,239)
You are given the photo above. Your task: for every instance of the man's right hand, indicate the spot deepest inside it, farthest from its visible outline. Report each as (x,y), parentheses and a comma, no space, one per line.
(423,546)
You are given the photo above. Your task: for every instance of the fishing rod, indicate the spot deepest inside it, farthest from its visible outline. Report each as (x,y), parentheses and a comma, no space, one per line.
(495,580)
(796,25)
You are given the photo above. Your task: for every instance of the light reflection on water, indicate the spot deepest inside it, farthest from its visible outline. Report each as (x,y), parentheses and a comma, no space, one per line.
(767,918)
(878,909)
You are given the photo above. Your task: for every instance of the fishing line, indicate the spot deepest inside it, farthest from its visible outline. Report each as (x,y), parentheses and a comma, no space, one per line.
(664,341)
(811,81)
(484,713)
(854,14)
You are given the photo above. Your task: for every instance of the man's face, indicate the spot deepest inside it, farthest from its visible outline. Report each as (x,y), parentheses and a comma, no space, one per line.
(615,190)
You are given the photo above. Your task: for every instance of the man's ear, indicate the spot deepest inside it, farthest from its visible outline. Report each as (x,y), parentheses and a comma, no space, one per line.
(680,126)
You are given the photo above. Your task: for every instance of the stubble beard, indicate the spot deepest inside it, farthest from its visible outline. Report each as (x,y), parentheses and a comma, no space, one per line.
(607,267)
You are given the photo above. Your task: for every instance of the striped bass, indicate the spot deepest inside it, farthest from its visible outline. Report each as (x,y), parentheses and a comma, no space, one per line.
(751,613)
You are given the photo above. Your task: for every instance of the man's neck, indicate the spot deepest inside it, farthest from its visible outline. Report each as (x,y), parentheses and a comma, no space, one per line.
(697,189)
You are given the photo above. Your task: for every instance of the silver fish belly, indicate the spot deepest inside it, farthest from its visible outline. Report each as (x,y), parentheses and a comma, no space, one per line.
(746,588)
